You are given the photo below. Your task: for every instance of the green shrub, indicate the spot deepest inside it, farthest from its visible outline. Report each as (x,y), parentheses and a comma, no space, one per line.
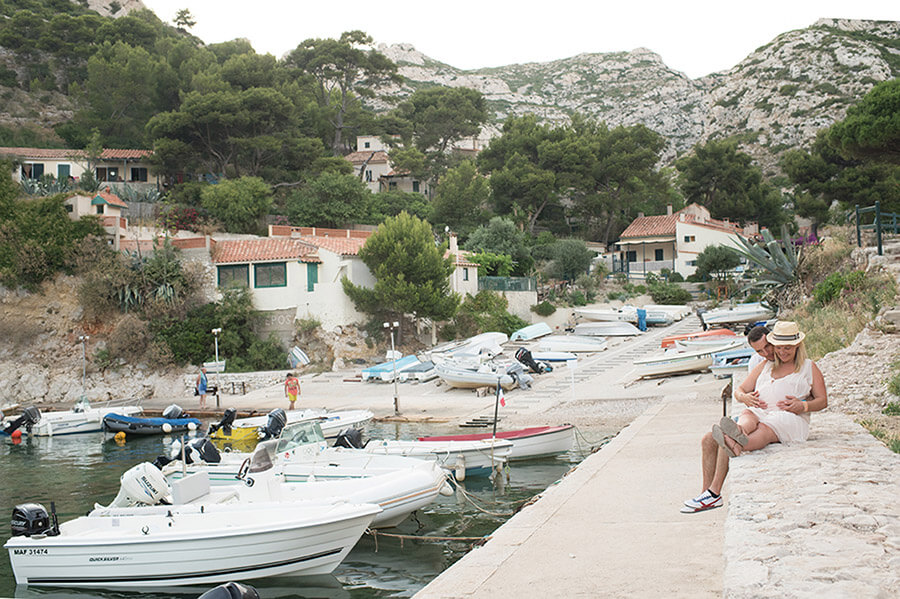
(544,308)
(669,293)
(577,298)
(829,289)
(893,408)
(486,311)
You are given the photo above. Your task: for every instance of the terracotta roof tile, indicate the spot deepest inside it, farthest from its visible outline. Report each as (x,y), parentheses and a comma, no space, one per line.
(651,226)
(360,157)
(264,249)
(110,198)
(345,246)
(113,154)
(62,154)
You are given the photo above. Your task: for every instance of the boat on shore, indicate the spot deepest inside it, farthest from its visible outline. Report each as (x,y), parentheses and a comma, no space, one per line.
(538,329)
(385,371)
(674,362)
(737,314)
(607,315)
(726,363)
(527,443)
(553,356)
(460,377)
(181,537)
(720,332)
(572,343)
(421,373)
(606,329)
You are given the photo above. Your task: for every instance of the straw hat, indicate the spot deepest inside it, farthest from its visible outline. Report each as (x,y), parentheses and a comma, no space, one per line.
(785,332)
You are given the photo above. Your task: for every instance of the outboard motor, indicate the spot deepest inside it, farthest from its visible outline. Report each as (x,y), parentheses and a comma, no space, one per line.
(524,356)
(519,375)
(231,590)
(225,423)
(29,417)
(29,519)
(202,450)
(173,412)
(350,438)
(143,484)
(277,420)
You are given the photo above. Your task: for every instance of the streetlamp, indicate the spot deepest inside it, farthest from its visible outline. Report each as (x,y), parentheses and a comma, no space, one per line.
(83,340)
(392,326)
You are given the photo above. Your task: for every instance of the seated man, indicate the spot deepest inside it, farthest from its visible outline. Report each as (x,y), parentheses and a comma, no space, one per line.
(715,461)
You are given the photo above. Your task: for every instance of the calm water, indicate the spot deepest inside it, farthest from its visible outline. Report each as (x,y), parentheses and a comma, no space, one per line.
(76,471)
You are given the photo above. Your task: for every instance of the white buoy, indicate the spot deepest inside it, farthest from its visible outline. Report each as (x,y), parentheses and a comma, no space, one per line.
(192,426)
(167,428)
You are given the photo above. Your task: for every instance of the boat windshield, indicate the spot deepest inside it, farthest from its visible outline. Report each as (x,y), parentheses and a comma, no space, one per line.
(297,434)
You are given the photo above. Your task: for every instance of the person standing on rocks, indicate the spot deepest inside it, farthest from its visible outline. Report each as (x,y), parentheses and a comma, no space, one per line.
(200,387)
(291,388)
(714,461)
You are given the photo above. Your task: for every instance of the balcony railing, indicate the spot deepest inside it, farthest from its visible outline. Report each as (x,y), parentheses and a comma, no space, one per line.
(507,283)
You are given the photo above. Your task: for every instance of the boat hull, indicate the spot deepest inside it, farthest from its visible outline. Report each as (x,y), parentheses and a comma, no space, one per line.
(606,329)
(244,430)
(478,458)
(528,444)
(130,425)
(182,545)
(572,343)
(70,422)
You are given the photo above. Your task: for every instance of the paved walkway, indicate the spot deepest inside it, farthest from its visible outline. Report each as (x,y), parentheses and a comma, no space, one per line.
(611,528)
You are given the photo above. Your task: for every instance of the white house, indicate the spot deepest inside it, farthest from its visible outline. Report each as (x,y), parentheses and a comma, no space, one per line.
(673,240)
(464,279)
(107,207)
(114,167)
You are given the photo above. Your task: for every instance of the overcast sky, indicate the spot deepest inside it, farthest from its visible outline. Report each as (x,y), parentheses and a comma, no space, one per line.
(697,37)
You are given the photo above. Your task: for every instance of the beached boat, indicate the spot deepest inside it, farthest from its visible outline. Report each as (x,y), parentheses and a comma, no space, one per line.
(463,458)
(528,443)
(675,362)
(737,314)
(731,361)
(608,315)
(676,310)
(197,536)
(385,370)
(538,329)
(572,343)
(474,348)
(421,372)
(712,341)
(553,356)
(82,418)
(606,329)
(671,339)
(460,377)
(332,423)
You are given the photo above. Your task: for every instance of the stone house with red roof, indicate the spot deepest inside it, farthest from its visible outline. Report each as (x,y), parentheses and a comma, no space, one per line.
(296,272)
(673,240)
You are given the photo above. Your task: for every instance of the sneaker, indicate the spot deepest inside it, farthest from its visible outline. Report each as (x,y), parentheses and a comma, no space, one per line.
(704,501)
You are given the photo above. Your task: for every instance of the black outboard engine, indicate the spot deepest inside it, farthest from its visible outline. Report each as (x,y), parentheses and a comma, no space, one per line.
(277,420)
(350,438)
(30,416)
(29,519)
(231,590)
(173,412)
(202,449)
(524,356)
(225,423)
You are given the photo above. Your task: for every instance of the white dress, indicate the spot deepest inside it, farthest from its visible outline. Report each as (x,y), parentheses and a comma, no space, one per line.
(788,427)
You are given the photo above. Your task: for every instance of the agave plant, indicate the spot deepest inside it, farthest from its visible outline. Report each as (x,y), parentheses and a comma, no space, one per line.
(778,259)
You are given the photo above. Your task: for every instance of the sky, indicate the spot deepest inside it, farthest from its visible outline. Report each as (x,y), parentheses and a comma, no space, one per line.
(696,37)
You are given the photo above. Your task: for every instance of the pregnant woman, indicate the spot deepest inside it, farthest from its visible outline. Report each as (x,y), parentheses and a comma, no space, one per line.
(779,395)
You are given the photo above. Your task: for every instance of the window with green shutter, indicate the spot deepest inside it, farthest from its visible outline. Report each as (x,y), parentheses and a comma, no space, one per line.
(312,275)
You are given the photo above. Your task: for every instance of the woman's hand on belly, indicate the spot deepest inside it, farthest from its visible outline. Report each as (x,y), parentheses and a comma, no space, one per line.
(791,404)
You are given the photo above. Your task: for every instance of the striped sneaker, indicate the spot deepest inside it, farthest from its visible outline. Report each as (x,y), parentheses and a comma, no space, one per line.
(704,501)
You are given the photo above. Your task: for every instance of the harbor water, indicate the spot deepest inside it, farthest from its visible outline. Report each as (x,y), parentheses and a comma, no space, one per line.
(77,471)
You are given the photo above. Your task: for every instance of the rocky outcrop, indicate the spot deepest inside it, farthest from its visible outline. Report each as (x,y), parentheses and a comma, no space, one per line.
(777,98)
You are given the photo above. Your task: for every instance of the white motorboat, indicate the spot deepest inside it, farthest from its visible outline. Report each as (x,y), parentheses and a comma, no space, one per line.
(463,458)
(572,343)
(677,311)
(675,362)
(461,377)
(309,470)
(626,314)
(528,443)
(332,423)
(198,537)
(553,356)
(421,372)
(606,329)
(474,348)
(82,418)
(533,331)
(711,341)
(737,314)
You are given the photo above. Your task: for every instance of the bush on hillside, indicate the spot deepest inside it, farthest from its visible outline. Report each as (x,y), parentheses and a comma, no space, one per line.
(669,293)
(481,313)
(543,308)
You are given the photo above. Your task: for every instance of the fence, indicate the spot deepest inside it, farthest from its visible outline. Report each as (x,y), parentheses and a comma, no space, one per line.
(878,226)
(507,283)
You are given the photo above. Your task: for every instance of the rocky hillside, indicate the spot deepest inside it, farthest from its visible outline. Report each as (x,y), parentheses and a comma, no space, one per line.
(778,96)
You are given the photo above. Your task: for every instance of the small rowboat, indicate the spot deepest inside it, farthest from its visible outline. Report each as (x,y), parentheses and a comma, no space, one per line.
(671,339)
(527,443)
(572,343)
(672,362)
(538,329)
(728,362)
(738,314)
(606,329)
